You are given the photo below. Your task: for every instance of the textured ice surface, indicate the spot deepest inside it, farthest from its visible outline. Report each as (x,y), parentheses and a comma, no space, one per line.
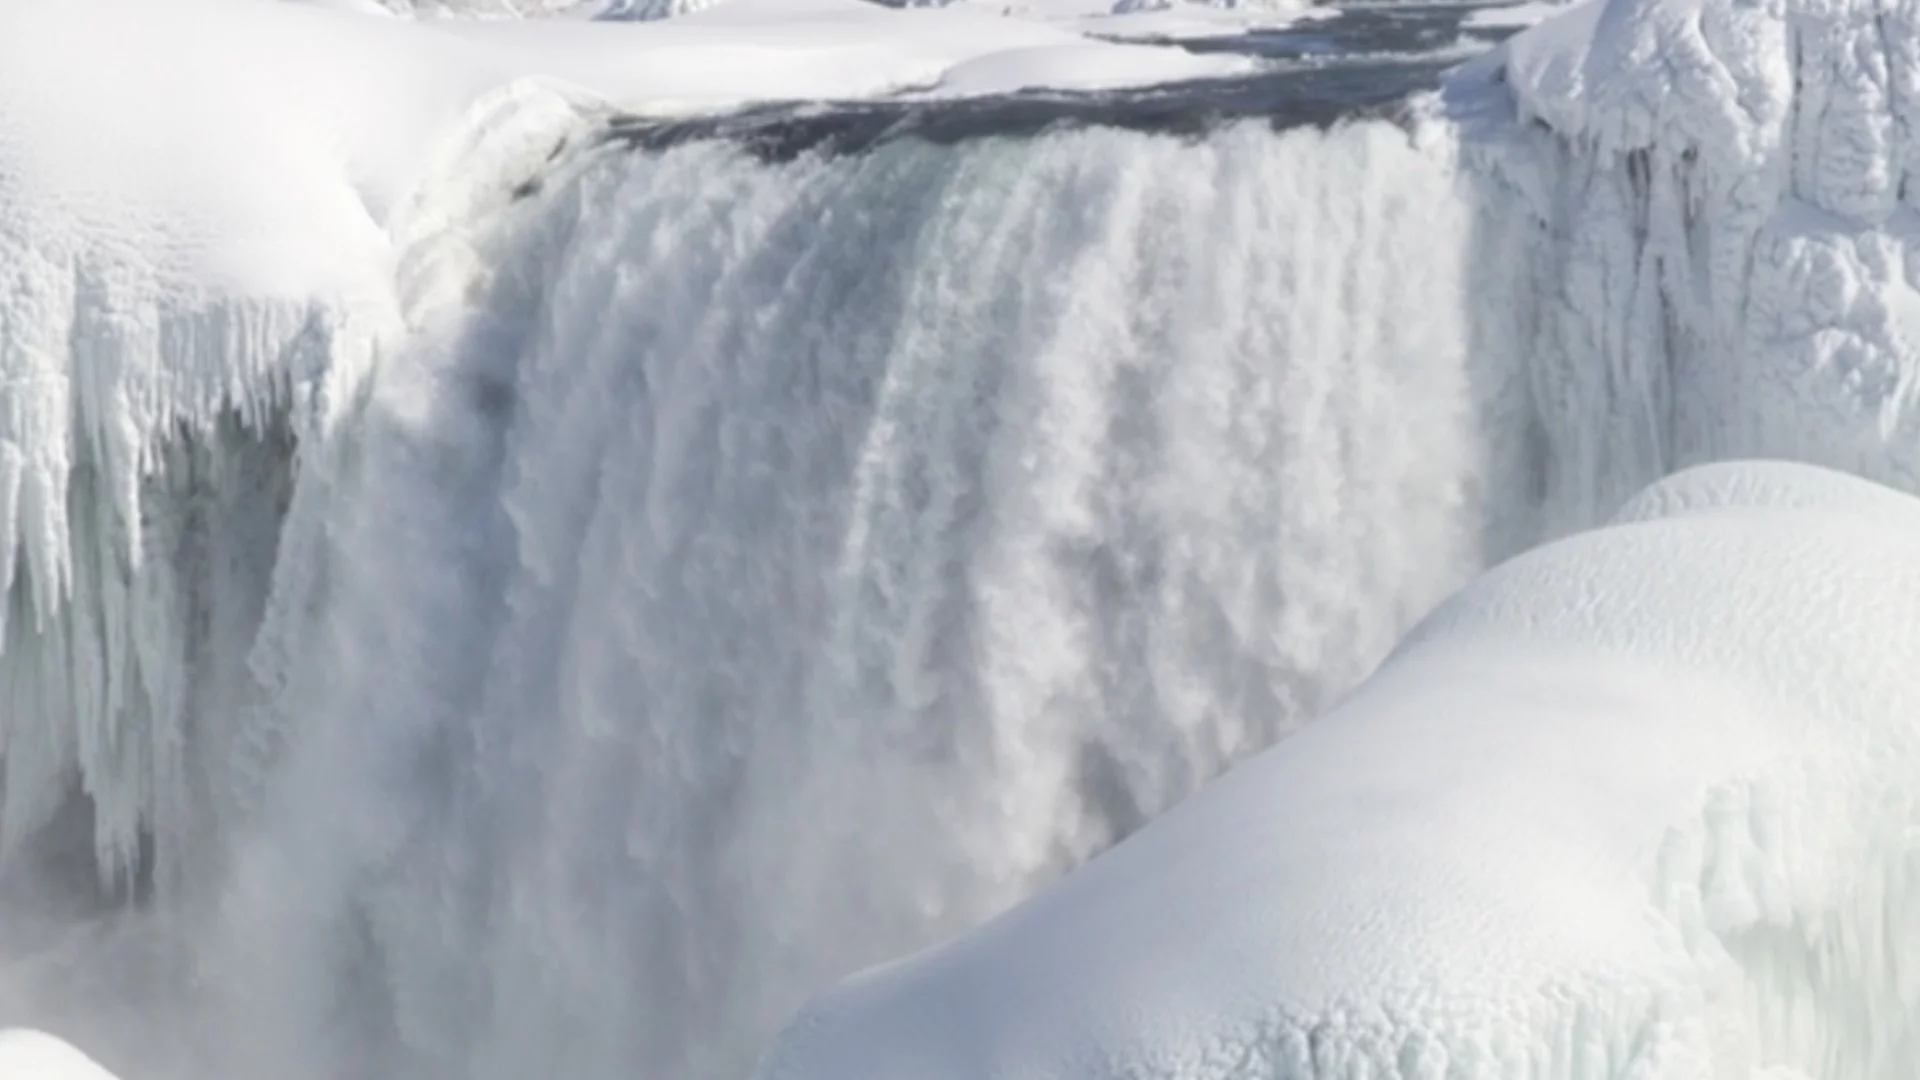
(1726,195)
(1633,804)
(951,510)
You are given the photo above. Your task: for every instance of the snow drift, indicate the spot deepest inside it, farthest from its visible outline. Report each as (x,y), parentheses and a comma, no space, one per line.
(1637,803)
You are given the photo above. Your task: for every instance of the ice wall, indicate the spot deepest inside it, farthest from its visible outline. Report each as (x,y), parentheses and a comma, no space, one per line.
(1725,193)
(656,9)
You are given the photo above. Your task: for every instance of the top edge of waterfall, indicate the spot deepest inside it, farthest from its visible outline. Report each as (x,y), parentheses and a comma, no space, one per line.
(1356,64)
(1318,97)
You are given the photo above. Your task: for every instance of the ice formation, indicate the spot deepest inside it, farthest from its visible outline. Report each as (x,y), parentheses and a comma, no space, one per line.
(656,9)
(1712,209)
(379,468)
(1730,219)
(213,307)
(1637,803)
(950,510)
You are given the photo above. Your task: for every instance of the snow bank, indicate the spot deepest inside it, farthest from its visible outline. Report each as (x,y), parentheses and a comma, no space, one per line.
(1638,803)
(34,1055)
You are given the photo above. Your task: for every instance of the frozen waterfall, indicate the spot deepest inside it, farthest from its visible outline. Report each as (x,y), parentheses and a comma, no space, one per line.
(746,570)
(779,565)
(715,570)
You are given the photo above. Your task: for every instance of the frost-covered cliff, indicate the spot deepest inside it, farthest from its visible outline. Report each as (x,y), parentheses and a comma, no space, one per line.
(1727,198)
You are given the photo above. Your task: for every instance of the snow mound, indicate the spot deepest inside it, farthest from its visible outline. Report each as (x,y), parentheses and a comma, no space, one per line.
(1637,803)
(34,1055)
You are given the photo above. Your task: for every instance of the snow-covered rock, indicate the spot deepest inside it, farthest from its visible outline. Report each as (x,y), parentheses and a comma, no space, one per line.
(1731,264)
(1638,803)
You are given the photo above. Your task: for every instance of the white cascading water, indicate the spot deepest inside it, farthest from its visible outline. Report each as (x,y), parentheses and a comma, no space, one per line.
(783,565)
(759,569)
